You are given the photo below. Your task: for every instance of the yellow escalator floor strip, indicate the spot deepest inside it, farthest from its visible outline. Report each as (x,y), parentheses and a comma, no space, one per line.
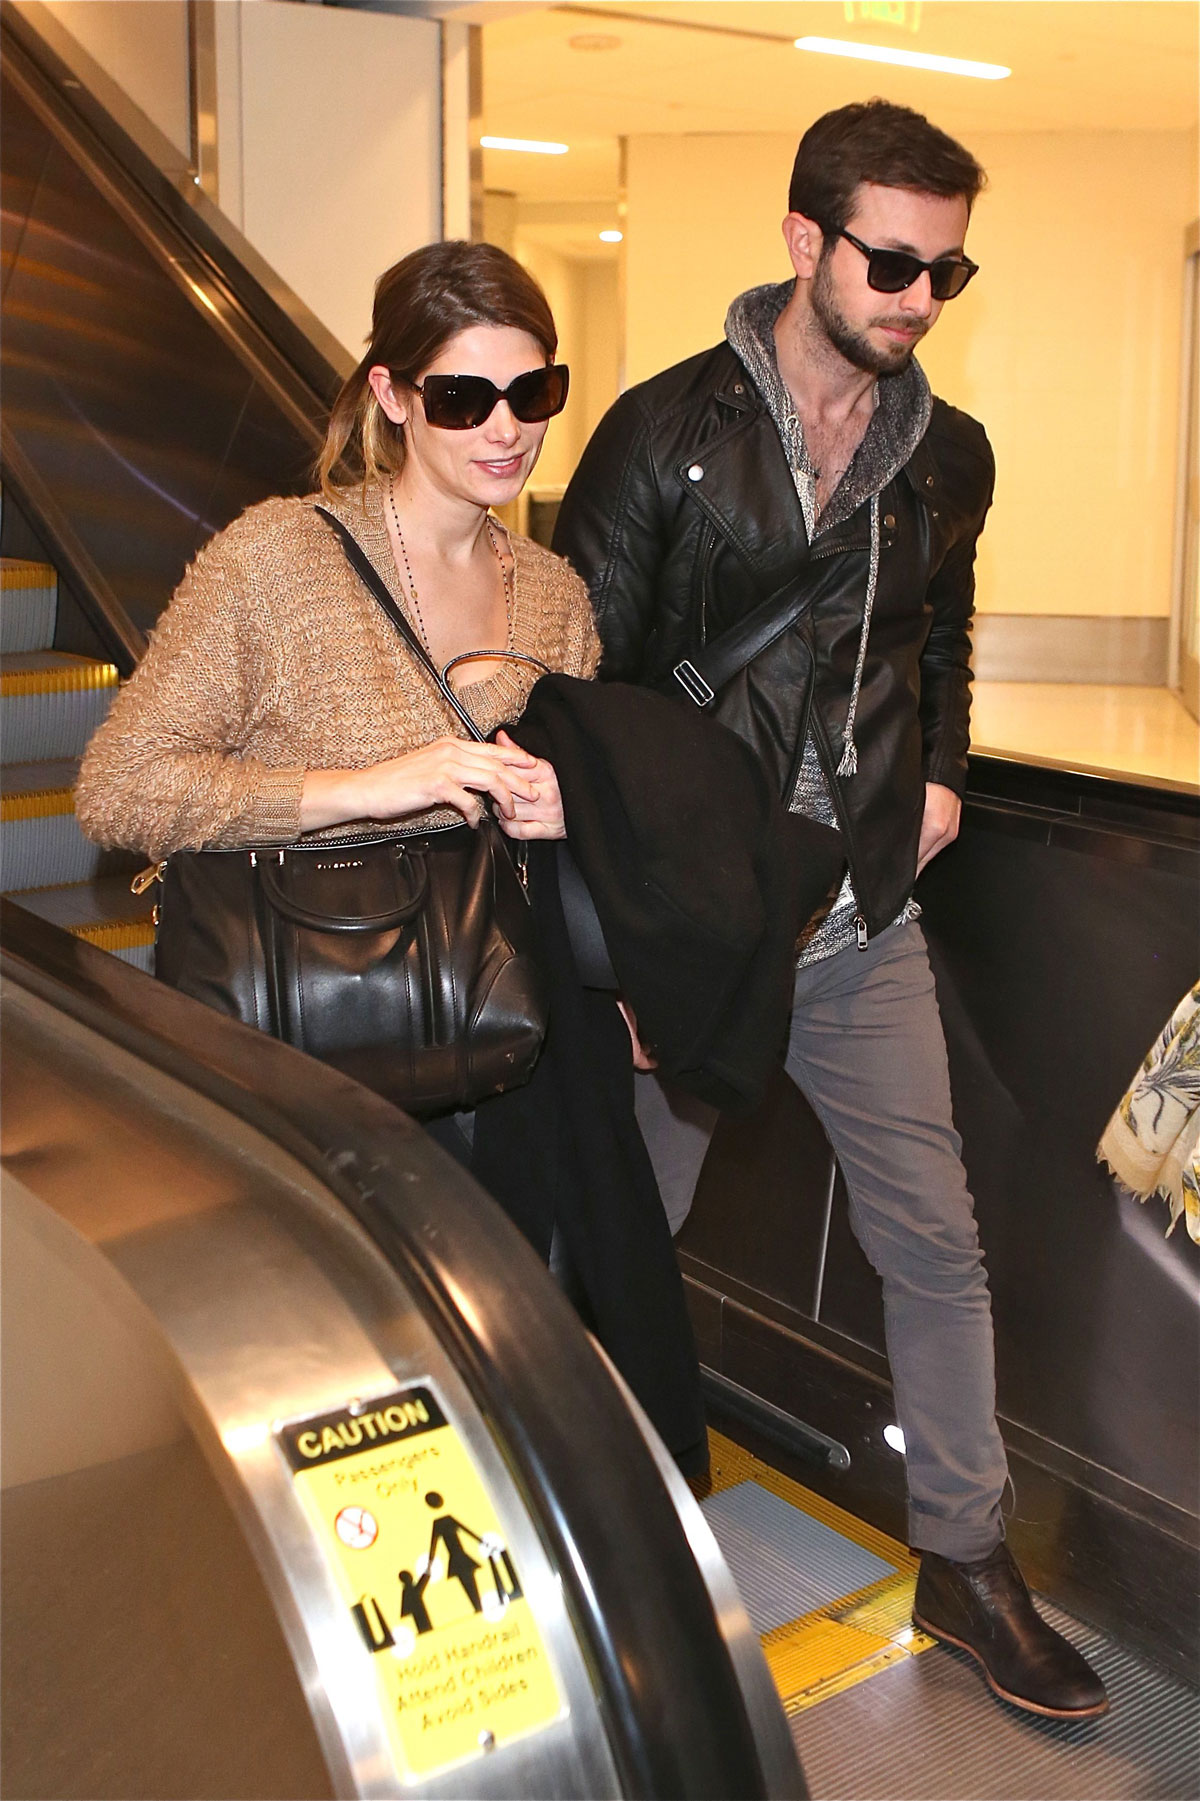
(58,679)
(116,934)
(729,1464)
(825,1660)
(18,572)
(39,803)
(829,1650)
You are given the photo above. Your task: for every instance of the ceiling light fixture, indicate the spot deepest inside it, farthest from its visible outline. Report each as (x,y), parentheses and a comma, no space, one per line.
(906,59)
(534,146)
(611,237)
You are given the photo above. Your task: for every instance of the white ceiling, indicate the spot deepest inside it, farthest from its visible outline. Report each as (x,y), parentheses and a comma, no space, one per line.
(1117,65)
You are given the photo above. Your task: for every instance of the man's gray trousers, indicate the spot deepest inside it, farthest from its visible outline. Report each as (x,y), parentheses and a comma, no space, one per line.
(867,1050)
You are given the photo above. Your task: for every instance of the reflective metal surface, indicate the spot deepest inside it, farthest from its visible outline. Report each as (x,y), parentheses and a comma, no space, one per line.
(136,390)
(262,1301)
(776,1750)
(257,1207)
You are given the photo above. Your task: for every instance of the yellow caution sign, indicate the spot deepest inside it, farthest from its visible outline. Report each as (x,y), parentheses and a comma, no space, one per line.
(421,1558)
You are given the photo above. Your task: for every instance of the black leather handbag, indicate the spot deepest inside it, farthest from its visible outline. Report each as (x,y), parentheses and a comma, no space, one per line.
(405,960)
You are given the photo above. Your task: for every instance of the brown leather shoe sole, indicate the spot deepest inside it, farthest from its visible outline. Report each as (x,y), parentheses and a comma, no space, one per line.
(1049,1713)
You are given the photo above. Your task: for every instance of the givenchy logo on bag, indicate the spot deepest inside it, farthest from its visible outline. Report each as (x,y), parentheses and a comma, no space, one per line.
(354,863)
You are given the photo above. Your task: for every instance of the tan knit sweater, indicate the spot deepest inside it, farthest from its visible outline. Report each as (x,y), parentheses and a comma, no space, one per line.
(273,659)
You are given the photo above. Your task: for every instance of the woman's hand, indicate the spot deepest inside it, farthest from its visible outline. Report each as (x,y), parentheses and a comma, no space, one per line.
(449,772)
(542,815)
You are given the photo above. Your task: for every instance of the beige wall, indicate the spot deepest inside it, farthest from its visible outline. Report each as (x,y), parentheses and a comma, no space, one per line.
(1066,346)
(142,46)
(340,149)
(1070,354)
(328,124)
(701,223)
(583,298)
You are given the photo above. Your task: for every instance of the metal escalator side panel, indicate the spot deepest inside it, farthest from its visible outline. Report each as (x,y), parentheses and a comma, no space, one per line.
(145,407)
(271,1304)
(783,1779)
(641,1611)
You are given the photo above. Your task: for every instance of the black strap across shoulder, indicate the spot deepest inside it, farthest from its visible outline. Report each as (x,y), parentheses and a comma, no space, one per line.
(703,675)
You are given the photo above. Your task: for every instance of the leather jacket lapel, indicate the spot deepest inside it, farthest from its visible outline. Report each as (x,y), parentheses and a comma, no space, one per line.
(740,481)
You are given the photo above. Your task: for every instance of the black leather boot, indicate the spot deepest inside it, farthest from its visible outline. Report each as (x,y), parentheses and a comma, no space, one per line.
(984,1607)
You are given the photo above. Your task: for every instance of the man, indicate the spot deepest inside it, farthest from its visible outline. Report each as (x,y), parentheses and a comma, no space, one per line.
(784,527)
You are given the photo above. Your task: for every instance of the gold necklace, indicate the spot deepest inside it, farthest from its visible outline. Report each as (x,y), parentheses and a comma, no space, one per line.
(505,574)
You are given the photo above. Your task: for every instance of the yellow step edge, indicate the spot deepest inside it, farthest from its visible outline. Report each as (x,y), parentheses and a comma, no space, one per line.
(824,1653)
(16,572)
(40,803)
(116,934)
(730,1464)
(828,1658)
(17,682)
(831,1649)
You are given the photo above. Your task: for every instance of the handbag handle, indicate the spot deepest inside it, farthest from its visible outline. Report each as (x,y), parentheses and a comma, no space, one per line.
(373,581)
(325,921)
(497,656)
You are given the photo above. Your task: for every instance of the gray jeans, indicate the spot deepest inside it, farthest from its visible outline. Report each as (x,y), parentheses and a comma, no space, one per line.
(867,1050)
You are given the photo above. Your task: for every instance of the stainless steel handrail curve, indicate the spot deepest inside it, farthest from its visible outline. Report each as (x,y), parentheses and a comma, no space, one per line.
(575,1453)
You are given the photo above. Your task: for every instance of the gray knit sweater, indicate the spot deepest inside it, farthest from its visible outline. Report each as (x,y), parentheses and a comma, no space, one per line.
(900,421)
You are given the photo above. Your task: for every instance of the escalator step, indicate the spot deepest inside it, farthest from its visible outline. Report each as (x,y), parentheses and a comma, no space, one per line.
(830,1596)
(37,789)
(785,1562)
(102,911)
(928,1730)
(41,844)
(28,604)
(51,703)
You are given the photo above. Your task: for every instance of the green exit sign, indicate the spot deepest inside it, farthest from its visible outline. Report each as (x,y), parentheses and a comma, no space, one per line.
(903,15)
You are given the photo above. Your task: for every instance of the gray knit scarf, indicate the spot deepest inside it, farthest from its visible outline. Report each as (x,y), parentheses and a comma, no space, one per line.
(900,421)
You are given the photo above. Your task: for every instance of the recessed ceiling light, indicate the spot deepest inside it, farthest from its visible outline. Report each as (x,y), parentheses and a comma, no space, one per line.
(611,237)
(534,146)
(905,59)
(594,40)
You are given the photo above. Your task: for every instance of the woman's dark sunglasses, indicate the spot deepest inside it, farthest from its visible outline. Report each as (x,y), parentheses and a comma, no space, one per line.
(461,402)
(891,271)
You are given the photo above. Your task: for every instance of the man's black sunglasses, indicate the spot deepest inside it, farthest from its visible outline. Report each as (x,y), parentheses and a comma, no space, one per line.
(461,402)
(891,271)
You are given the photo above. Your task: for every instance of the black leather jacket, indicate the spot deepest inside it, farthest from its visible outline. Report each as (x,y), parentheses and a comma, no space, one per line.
(683,515)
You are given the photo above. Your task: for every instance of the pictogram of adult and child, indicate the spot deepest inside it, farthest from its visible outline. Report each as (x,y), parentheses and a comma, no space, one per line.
(447,1559)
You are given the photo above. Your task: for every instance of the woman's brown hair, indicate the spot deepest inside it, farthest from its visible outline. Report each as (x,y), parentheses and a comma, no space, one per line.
(420,304)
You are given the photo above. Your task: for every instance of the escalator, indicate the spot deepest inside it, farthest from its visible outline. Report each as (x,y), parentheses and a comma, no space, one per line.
(314,1483)
(157,381)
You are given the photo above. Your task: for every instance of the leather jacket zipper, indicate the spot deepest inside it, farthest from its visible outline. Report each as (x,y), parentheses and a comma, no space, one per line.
(706,562)
(824,754)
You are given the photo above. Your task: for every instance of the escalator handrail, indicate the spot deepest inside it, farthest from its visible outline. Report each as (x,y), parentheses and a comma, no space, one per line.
(123,641)
(115,136)
(572,1446)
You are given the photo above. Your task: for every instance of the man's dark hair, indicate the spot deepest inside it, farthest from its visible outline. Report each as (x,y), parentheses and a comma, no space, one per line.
(891,146)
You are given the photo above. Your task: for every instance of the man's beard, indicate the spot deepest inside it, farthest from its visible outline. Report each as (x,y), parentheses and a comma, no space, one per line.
(858,350)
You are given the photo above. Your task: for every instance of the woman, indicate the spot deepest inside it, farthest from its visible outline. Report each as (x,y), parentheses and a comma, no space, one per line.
(277,700)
